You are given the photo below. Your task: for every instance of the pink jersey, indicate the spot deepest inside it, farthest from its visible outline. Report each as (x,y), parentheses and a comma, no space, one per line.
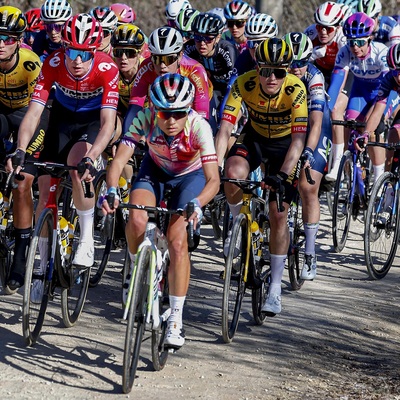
(187,67)
(97,89)
(188,150)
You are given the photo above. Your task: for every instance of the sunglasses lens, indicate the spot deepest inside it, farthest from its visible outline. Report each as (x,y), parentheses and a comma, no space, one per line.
(237,23)
(329,29)
(73,54)
(298,64)
(205,39)
(171,114)
(278,72)
(357,42)
(167,60)
(54,27)
(8,40)
(129,53)
(106,33)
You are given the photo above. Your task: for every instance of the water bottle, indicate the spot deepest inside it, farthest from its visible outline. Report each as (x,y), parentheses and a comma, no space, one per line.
(124,189)
(71,233)
(256,239)
(64,230)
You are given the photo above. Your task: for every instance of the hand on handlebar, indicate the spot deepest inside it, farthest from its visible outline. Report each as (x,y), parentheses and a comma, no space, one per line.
(87,169)
(109,202)
(308,158)
(16,161)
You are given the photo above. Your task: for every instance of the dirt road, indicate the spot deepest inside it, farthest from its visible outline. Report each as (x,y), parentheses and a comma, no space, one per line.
(337,338)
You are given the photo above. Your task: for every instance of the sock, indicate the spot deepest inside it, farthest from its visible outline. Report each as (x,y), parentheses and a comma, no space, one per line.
(86,225)
(378,171)
(22,240)
(337,149)
(235,209)
(277,267)
(310,231)
(176,303)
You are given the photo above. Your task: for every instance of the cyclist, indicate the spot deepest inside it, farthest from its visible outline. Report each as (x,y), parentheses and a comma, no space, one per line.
(237,13)
(366,60)
(319,135)
(108,21)
(276,130)
(386,29)
(82,117)
(33,25)
(166,47)
(181,157)
(54,13)
(124,13)
(172,10)
(19,69)
(184,23)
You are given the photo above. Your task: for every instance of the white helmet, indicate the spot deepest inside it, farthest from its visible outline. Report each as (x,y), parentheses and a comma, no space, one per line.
(237,10)
(260,26)
(370,7)
(329,14)
(55,11)
(165,40)
(219,11)
(174,6)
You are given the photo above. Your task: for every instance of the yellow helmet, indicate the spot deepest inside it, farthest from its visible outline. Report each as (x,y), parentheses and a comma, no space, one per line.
(274,52)
(12,20)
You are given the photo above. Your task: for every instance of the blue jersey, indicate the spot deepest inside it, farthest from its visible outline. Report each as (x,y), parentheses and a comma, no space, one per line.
(388,31)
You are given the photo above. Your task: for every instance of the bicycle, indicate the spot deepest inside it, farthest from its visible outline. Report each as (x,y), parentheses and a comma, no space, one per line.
(351,188)
(147,302)
(381,231)
(49,261)
(248,268)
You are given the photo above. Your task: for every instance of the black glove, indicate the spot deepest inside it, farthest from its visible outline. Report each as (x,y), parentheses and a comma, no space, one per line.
(87,164)
(18,158)
(276,181)
(308,155)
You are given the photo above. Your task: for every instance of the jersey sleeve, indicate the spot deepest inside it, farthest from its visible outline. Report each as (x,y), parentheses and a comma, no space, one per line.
(203,140)
(138,128)
(299,109)
(144,78)
(233,104)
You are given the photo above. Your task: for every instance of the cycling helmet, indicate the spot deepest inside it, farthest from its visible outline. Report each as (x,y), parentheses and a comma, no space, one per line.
(329,14)
(260,26)
(172,92)
(274,52)
(185,19)
(349,3)
(347,11)
(33,21)
(174,7)
(237,10)
(55,11)
(358,25)
(300,44)
(208,24)
(219,11)
(128,35)
(12,20)
(83,32)
(370,7)
(165,40)
(124,13)
(106,16)
(393,57)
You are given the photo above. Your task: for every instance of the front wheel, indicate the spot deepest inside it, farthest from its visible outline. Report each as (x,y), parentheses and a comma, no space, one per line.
(136,318)
(38,278)
(234,285)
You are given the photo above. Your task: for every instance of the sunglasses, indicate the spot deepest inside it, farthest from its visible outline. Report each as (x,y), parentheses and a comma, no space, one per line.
(205,39)
(279,73)
(167,60)
(186,35)
(73,54)
(357,42)
(129,53)
(53,27)
(240,23)
(8,40)
(329,29)
(253,44)
(172,114)
(299,64)
(106,33)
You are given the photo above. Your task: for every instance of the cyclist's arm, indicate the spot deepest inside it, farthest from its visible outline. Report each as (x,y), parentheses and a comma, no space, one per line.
(338,81)
(315,124)
(123,155)
(222,140)
(211,187)
(294,153)
(131,113)
(375,117)
(29,124)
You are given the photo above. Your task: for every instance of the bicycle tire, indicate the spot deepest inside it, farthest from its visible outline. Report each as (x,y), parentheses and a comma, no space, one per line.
(216,213)
(296,249)
(380,240)
(234,285)
(34,312)
(227,222)
(159,354)
(73,297)
(342,207)
(103,236)
(259,295)
(125,271)
(136,319)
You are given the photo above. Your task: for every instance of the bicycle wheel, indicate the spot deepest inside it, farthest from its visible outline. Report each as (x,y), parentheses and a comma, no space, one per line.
(38,285)
(216,208)
(158,353)
(103,233)
(342,207)
(136,319)
(381,229)
(73,297)
(234,285)
(296,248)
(259,294)
(227,222)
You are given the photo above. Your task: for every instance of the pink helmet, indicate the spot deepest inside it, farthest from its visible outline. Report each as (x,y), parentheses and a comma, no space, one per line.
(124,13)
(358,25)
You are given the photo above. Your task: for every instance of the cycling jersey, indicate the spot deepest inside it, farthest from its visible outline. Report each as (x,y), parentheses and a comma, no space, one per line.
(188,67)
(220,66)
(124,90)
(16,85)
(389,93)
(245,62)
(43,46)
(186,152)
(388,31)
(271,116)
(240,47)
(97,89)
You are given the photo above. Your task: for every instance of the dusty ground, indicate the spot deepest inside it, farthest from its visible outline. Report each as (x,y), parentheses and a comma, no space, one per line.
(337,338)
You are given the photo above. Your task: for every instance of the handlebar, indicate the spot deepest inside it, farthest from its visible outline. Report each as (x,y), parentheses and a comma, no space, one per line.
(352,124)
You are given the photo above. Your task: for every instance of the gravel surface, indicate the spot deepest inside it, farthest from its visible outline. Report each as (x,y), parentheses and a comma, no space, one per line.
(337,338)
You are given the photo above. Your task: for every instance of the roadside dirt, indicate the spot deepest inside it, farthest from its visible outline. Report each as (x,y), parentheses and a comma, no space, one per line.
(337,338)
